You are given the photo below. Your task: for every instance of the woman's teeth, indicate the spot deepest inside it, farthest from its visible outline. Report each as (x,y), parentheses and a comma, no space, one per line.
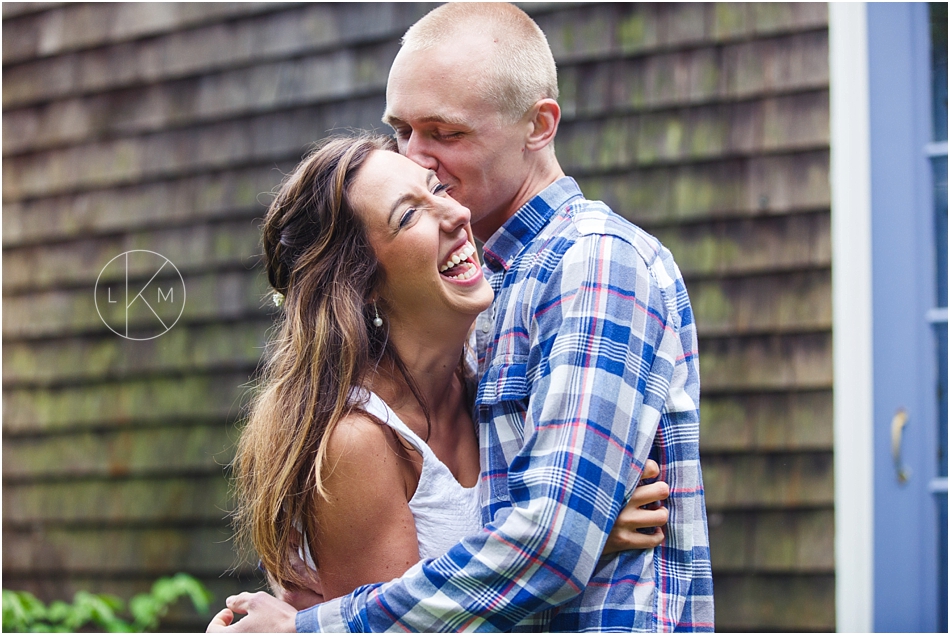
(460,256)
(468,272)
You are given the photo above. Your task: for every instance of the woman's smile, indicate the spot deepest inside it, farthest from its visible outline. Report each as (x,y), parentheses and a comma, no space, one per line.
(462,264)
(423,241)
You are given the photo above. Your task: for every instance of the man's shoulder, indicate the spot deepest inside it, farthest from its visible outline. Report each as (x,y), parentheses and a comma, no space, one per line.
(584,227)
(594,221)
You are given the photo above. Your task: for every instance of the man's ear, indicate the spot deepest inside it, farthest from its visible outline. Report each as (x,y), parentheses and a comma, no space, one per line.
(545,116)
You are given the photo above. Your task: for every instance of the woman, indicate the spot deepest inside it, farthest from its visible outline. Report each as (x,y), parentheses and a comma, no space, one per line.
(360,450)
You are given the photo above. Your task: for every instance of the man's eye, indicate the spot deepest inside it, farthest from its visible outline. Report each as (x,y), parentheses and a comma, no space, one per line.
(407,217)
(448,136)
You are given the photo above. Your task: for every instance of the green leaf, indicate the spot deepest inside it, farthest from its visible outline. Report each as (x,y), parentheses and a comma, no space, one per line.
(200,597)
(14,612)
(58,611)
(145,610)
(23,612)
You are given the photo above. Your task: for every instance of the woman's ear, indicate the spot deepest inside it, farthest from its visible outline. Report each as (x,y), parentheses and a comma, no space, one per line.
(545,116)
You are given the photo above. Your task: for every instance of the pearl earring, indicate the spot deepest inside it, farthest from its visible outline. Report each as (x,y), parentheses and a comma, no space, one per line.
(377,321)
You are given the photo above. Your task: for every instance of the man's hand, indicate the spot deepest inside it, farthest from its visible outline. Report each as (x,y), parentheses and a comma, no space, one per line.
(643,512)
(265,614)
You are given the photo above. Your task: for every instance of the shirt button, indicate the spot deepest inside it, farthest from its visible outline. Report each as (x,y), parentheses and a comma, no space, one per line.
(486,326)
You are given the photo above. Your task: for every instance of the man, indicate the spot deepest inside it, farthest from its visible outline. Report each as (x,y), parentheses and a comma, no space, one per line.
(588,365)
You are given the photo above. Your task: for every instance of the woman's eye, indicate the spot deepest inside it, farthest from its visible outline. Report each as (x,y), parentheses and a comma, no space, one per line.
(407,217)
(439,189)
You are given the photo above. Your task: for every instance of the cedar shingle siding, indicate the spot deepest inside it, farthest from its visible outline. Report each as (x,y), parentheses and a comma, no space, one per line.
(163,126)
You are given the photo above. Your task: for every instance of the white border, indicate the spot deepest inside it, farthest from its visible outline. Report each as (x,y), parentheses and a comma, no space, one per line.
(852,315)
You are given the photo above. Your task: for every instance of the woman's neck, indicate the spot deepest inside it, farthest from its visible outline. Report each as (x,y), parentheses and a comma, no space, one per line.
(432,361)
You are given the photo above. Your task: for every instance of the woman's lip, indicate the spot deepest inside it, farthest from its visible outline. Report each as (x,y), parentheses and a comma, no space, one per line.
(458,246)
(468,281)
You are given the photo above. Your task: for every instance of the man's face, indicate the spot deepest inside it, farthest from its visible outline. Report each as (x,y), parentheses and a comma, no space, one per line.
(444,122)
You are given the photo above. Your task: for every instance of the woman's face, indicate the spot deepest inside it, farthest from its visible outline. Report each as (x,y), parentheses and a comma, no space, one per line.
(423,241)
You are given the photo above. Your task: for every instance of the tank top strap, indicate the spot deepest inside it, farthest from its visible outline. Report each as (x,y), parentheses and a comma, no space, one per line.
(375,406)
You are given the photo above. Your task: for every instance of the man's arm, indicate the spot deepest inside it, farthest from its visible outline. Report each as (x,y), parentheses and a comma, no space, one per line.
(590,424)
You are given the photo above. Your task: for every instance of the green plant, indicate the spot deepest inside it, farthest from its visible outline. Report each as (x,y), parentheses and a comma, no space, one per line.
(24,613)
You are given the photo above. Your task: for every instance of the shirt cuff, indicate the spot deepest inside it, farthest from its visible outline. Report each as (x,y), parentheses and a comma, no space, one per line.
(322,618)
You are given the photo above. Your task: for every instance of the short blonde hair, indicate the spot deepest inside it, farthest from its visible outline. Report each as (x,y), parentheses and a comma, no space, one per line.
(522,69)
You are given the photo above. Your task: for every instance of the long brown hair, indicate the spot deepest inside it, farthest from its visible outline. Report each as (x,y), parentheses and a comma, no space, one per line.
(318,256)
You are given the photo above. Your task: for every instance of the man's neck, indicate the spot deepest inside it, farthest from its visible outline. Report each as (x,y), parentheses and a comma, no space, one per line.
(547,173)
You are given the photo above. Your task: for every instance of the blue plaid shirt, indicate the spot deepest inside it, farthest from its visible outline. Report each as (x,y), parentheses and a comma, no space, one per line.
(588,367)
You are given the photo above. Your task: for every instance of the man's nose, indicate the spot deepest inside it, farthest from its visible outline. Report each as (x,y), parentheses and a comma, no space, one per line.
(417,149)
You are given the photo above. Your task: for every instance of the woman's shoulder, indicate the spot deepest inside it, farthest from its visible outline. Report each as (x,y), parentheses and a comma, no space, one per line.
(357,434)
(362,447)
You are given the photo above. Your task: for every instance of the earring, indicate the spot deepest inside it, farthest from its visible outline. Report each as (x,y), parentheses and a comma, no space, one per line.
(377,321)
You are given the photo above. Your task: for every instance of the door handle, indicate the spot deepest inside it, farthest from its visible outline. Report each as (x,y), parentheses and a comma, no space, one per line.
(898,423)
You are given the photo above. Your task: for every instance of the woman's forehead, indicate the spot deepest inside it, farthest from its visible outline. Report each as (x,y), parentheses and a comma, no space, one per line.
(389,166)
(384,178)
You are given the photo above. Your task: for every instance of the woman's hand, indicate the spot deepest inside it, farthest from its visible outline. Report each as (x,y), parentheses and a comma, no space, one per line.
(643,512)
(298,597)
(265,614)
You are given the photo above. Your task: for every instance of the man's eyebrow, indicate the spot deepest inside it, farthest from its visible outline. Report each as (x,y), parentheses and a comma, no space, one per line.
(392,121)
(452,121)
(407,196)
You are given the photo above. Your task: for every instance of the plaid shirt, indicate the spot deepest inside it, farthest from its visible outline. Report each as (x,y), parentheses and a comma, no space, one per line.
(589,367)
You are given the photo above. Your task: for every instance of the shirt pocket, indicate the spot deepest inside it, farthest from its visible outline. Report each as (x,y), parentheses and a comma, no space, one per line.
(505,380)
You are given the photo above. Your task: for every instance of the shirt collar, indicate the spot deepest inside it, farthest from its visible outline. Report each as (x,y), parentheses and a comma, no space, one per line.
(519,230)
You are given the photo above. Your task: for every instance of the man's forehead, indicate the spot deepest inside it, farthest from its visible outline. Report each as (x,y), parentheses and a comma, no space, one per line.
(437,84)
(415,101)
(424,103)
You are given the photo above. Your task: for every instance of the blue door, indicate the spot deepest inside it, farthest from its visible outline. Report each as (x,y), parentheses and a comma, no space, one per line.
(907,72)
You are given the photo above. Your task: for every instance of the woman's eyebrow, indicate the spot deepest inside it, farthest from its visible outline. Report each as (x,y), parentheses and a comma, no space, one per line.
(405,197)
(399,201)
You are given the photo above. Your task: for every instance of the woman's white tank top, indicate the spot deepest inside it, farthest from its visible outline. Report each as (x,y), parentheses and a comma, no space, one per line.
(443,510)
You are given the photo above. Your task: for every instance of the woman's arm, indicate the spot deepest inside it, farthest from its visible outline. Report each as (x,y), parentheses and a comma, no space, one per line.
(366,532)
(299,597)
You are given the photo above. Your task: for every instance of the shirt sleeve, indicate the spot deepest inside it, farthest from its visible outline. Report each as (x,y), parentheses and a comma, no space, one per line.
(598,370)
